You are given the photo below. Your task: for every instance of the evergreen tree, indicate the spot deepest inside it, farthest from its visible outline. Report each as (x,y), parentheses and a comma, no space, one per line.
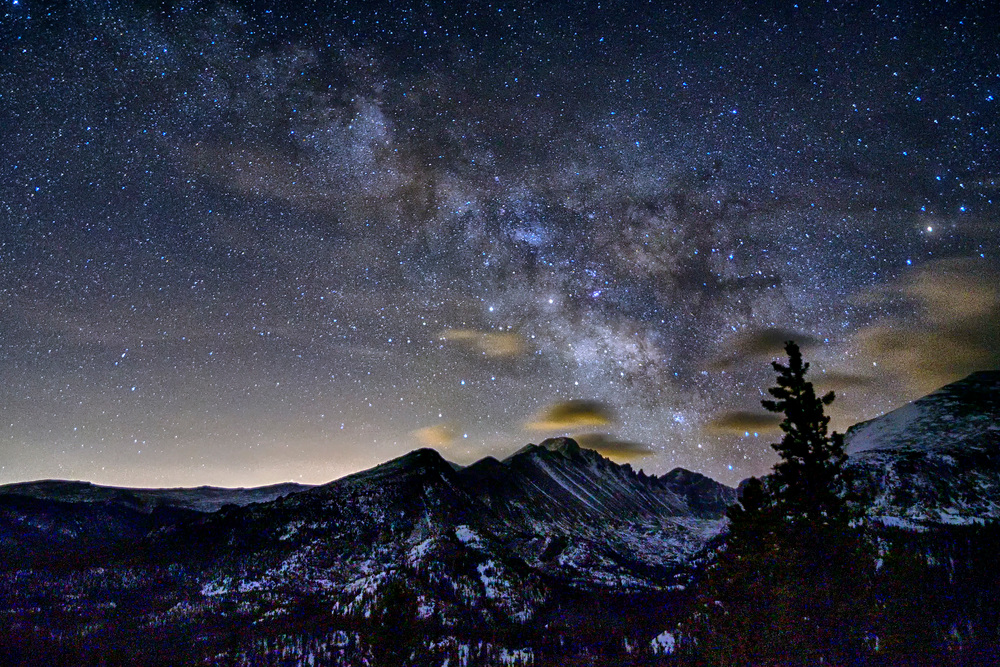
(807,484)
(790,585)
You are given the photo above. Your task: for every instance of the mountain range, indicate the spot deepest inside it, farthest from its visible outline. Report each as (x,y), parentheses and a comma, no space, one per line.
(554,555)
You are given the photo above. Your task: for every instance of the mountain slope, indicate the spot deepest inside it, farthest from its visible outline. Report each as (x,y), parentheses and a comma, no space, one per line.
(510,549)
(44,519)
(492,533)
(935,460)
(201,499)
(570,512)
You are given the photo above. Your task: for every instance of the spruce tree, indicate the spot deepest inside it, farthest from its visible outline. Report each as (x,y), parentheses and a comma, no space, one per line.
(790,585)
(807,484)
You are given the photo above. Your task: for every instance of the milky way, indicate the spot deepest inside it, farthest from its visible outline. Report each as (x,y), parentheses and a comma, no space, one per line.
(242,246)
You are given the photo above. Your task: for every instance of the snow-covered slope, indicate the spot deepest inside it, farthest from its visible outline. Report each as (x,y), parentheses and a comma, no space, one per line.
(935,460)
(572,513)
(495,534)
(964,414)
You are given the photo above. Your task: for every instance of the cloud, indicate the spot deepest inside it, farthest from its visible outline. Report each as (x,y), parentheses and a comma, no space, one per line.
(490,344)
(438,435)
(617,450)
(949,331)
(739,422)
(954,291)
(760,343)
(926,358)
(837,381)
(568,415)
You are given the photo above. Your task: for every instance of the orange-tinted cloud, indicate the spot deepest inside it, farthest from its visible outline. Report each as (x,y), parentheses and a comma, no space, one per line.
(614,449)
(495,345)
(438,435)
(738,422)
(569,415)
(952,332)
(837,381)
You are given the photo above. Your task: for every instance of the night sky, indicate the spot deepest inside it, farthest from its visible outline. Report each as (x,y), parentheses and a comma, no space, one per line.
(242,244)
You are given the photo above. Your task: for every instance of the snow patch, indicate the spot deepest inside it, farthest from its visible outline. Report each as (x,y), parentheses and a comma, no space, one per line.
(883,431)
(664,643)
(467,536)
(516,657)
(900,522)
(420,550)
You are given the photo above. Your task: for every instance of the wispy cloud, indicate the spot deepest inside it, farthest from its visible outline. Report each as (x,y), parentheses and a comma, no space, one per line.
(951,329)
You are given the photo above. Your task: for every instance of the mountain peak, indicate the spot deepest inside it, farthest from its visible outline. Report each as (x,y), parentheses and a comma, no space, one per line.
(420,460)
(963,413)
(422,456)
(934,460)
(565,446)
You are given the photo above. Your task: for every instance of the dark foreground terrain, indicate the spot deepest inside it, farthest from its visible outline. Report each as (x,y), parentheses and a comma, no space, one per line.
(554,556)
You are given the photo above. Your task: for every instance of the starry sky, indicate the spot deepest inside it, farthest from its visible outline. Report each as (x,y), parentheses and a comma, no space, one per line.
(254,242)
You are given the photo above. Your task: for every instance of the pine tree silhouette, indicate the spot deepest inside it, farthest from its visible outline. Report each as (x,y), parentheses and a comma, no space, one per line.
(807,484)
(794,569)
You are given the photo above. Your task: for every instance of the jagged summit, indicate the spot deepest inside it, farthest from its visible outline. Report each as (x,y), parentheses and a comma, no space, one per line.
(703,494)
(567,446)
(564,446)
(965,413)
(572,490)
